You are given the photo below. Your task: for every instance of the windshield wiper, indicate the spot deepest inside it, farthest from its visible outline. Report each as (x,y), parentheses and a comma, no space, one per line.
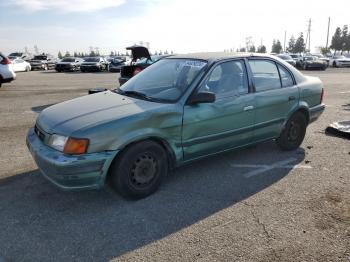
(133,94)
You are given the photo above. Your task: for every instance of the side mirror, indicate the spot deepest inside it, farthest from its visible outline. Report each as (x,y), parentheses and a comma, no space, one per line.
(201,97)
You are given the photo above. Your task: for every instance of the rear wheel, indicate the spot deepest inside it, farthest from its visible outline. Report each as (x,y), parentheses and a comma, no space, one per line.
(138,172)
(305,67)
(27,69)
(335,64)
(294,132)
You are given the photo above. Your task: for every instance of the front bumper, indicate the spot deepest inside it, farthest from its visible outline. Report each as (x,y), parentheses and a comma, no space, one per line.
(316,111)
(70,172)
(37,66)
(90,68)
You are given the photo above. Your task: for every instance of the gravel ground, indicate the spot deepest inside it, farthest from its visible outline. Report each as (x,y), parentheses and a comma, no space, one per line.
(281,206)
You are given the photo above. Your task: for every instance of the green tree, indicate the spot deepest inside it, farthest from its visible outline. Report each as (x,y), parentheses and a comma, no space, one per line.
(336,44)
(344,38)
(299,46)
(67,54)
(251,49)
(242,49)
(92,53)
(262,49)
(291,45)
(112,53)
(75,54)
(276,46)
(60,56)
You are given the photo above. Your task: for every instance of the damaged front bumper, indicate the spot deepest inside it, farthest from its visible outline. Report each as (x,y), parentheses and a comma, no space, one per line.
(69,172)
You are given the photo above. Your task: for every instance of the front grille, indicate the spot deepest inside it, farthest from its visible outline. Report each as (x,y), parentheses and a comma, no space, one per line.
(39,133)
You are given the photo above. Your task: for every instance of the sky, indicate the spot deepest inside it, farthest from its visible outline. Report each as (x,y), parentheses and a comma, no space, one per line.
(180,25)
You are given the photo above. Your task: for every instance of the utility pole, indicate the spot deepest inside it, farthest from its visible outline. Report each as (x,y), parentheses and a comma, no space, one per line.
(308,37)
(284,45)
(329,21)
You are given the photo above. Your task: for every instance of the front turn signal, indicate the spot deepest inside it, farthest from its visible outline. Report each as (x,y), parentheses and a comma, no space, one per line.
(76,146)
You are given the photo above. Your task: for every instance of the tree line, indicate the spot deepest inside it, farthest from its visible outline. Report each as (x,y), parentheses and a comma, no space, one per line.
(112,53)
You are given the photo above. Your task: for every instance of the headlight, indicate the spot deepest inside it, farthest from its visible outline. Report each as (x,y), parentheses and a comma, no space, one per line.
(69,145)
(57,142)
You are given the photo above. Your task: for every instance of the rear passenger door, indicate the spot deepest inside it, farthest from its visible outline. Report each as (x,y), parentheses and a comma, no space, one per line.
(276,95)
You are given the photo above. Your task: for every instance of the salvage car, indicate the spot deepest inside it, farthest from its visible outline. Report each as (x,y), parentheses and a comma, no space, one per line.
(115,65)
(312,62)
(288,59)
(69,64)
(141,59)
(6,70)
(180,109)
(42,62)
(93,64)
(339,61)
(19,65)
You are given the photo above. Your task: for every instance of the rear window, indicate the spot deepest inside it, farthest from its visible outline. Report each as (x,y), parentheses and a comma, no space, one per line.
(68,60)
(265,74)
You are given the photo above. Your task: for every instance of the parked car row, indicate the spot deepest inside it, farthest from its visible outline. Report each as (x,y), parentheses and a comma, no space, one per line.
(305,62)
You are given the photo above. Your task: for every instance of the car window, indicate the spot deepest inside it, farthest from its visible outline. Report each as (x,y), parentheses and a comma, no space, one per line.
(227,79)
(286,77)
(265,75)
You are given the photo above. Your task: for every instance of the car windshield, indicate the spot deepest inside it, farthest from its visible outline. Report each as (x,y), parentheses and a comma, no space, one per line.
(92,59)
(165,80)
(68,59)
(285,57)
(40,57)
(309,58)
(318,56)
(294,56)
(339,57)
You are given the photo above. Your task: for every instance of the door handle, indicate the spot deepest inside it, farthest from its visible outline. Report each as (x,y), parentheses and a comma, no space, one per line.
(291,98)
(247,108)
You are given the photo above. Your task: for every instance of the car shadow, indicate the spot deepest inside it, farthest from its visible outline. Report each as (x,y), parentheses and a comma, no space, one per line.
(42,223)
(74,72)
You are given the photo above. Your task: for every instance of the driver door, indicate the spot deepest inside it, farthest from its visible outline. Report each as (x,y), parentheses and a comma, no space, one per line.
(227,123)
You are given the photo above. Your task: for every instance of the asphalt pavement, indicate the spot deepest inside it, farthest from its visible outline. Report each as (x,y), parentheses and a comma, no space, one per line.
(254,204)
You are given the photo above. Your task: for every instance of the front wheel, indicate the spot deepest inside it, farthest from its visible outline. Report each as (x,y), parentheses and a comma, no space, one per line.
(335,64)
(293,133)
(139,170)
(305,67)
(27,69)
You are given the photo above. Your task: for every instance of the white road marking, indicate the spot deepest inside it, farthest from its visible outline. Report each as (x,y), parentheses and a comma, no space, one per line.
(285,164)
(346,92)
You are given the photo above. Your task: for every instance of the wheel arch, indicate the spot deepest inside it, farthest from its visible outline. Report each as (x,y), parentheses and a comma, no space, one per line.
(171,157)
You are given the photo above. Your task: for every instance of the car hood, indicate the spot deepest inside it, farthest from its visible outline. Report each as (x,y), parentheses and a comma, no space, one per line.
(37,61)
(88,111)
(139,52)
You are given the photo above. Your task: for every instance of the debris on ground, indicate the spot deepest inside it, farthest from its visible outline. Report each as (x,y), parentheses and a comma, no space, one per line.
(341,129)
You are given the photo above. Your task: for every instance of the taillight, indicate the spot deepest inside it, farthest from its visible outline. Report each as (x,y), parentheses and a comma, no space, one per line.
(5,61)
(136,71)
(322,93)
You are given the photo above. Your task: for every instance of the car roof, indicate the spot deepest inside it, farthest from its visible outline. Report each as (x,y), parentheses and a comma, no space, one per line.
(217,56)
(213,57)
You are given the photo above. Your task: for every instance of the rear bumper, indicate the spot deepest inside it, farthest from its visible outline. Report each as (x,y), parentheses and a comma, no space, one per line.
(316,111)
(70,172)
(89,68)
(123,80)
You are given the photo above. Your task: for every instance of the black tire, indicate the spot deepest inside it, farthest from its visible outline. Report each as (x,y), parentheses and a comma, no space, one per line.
(293,133)
(335,64)
(139,170)
(58,70)
(305,67)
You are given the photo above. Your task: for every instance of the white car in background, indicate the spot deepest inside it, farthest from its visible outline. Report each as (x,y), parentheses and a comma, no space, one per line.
(19,65)
(6,71)
(339,61)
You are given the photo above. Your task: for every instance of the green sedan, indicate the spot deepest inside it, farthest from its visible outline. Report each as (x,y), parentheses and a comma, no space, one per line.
(178,110)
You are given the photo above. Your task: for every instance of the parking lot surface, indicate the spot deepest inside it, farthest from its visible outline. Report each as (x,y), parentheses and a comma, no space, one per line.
(254,204)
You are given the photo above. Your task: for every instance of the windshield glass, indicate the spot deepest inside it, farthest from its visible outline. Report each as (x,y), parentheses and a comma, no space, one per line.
(68,59)
(15,54)
(339,57)
(40,57)
(92,59)
(309,58)
(165,80)
(154,58)
(294,56)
